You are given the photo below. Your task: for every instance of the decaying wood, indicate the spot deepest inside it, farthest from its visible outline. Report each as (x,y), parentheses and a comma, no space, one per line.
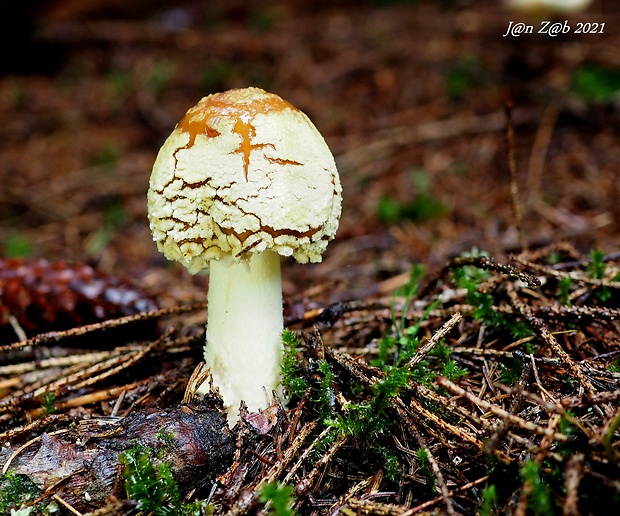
(80,463)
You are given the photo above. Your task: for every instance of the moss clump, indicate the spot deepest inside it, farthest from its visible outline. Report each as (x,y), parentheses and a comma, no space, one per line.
(280,497)
(16,490)
(153,487)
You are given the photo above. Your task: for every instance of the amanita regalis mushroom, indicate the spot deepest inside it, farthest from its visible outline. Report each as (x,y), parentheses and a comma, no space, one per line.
(244,179)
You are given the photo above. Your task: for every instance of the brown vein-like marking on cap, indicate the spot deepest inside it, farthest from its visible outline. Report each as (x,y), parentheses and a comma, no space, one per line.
(281,161)
(200,120)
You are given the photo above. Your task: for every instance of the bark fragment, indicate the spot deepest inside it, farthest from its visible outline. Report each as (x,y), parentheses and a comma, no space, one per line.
(81,464)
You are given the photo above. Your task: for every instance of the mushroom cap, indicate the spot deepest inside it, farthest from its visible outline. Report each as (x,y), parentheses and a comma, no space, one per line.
(548,7)
(243,172)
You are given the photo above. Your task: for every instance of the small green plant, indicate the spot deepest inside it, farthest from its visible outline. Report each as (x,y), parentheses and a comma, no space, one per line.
(391,464)
(388,210)
(470,278)
(423,206)
(152,487)
(488,502)
(17,244)
(292,372)
(597,269)
(322,445)
(400,341)
(597,265)
(452,371)
(166,437)
(463,76)
(565,286)
(48,401)
(106,157)
(539,501)
(424,374)
(369,419)
(159,76)
(416,275)
(363,419)
(567,427)
(510,375)
(16,490)
(426,470)
(596,84)
(553,258)
(408,341)
(614,367)
(198,508)
(119,83)
(323,397)
(280,497)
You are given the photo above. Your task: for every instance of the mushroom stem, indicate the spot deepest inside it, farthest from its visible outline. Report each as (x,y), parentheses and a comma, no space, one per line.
(244,333)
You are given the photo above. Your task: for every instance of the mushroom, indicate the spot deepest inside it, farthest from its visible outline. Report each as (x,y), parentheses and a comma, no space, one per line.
(545,8)
(244,179)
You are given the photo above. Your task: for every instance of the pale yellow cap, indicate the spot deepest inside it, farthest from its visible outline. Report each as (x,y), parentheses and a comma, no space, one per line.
(243,172)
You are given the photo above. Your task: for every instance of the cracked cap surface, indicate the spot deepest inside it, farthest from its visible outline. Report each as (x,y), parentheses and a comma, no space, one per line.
(243,172)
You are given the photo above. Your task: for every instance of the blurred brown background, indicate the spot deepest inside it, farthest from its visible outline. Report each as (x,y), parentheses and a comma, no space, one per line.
(409,95)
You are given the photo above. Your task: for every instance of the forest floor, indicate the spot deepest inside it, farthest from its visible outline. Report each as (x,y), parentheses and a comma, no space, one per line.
(449,355)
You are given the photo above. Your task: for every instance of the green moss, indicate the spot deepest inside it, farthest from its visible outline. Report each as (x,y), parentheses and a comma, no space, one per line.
(423,206)
(48,401)
(597,265)
(321,446)
(17,244)
(426,470)
(510,375)
(596,84)
(539,501)
(198,508)
(166,437)
(391,465)
(324,394)
(565,286)
(464,75)
(597,269)
(281,498)
(369,419)
(16,490)
(159,76)
(400,339)
(488,502)
(292,371)
(152,487)
(452,371)
(470,279)
(614,367)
